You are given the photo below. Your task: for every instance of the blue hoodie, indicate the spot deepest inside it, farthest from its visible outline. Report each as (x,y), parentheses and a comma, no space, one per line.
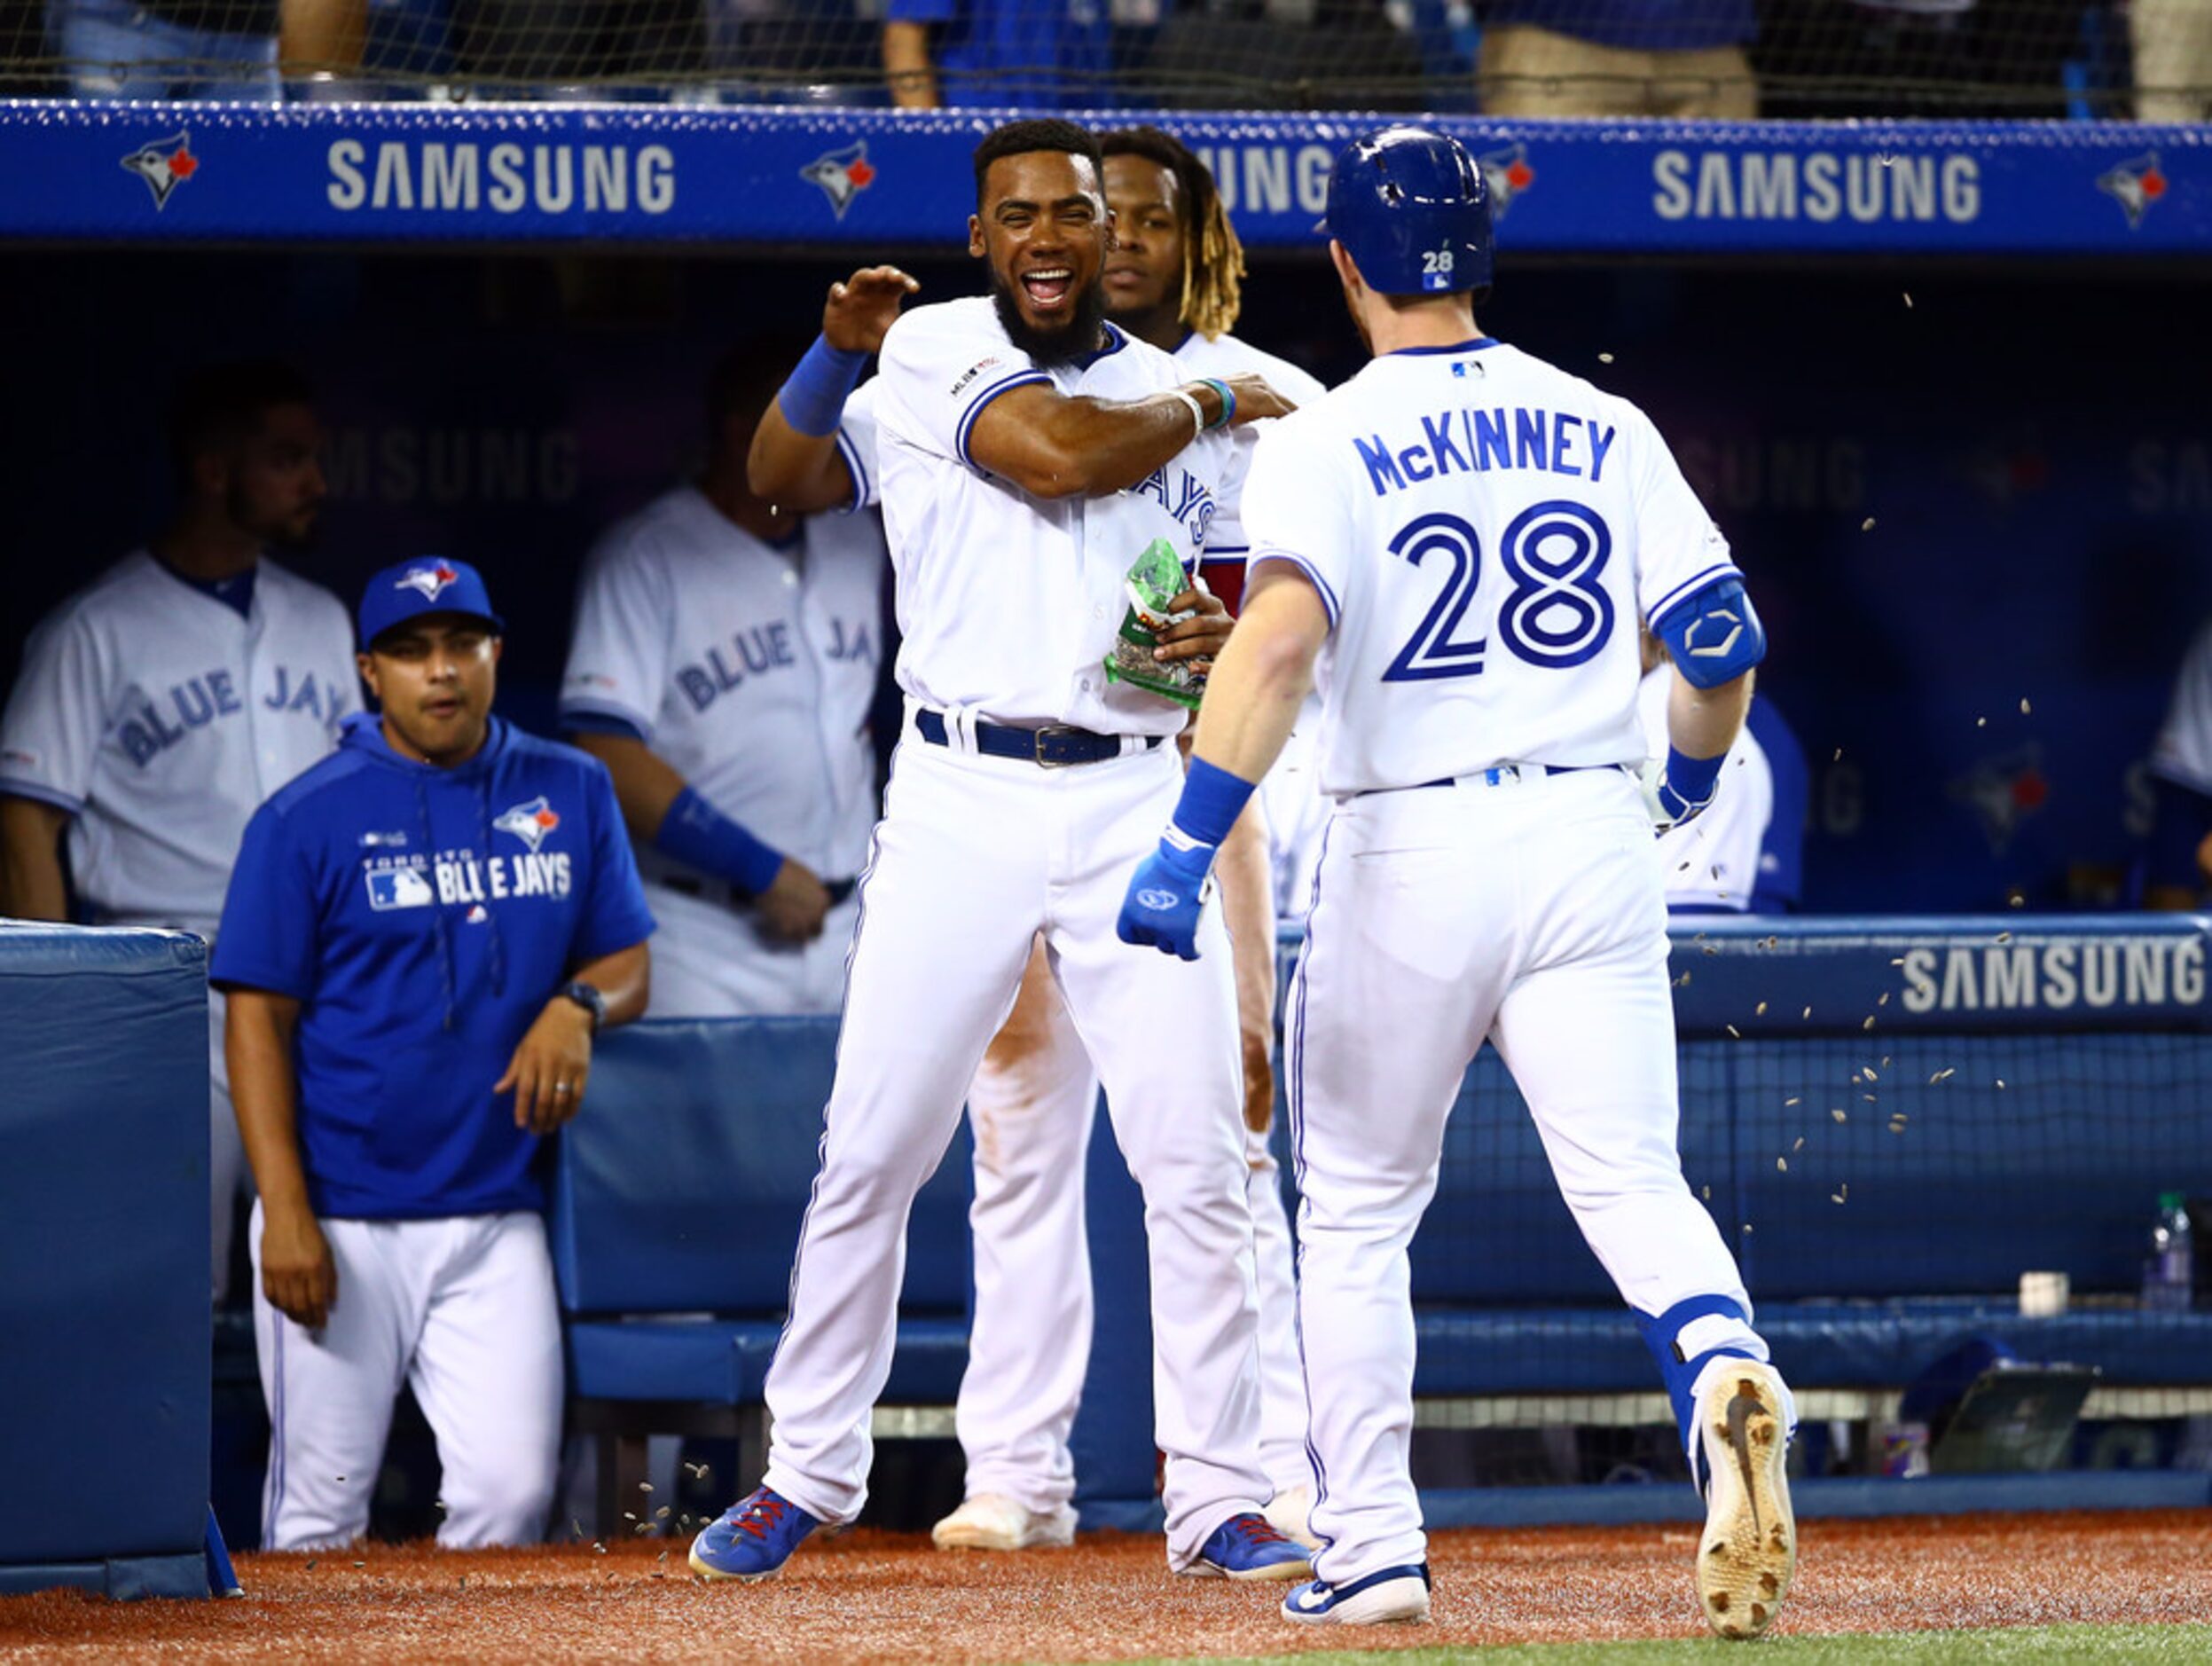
(422,917)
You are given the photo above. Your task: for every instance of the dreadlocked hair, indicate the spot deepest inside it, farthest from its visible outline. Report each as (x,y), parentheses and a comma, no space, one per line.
(1213,259)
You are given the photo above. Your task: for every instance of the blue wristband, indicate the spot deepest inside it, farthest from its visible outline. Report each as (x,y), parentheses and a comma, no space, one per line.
(698,836)
(1228,401)
(1212,799)
(1693,778)
(814,398)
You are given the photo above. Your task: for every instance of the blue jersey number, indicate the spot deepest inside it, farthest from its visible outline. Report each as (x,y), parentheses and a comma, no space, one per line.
(1435,649)
(1556,616)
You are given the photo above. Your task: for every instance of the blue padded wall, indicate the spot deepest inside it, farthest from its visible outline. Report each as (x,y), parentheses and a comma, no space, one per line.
(104,1277)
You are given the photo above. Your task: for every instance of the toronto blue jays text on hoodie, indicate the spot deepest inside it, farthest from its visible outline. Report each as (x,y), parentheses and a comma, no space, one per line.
(422,917)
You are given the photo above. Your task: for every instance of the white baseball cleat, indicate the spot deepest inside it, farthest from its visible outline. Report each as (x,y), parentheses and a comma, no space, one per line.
(993,1521)
(1289,1512)
(1387,1596)
(1749,1551)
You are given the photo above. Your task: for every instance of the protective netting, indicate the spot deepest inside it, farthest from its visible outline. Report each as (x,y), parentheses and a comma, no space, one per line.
(1718,58)
(1884,1198)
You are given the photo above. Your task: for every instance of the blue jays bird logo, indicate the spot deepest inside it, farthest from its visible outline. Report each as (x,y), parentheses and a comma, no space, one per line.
(529,823)
(1507,174)
(431,579)
(2135,185)
(164,164)
(843,175)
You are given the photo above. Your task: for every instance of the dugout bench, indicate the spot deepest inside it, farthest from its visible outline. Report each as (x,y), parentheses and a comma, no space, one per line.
(2023,1092)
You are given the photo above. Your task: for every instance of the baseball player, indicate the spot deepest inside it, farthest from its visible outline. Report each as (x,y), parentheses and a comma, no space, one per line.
(423,934)
(159,706)
(725,660)
(1172,280)
(1030,455)
(1464,539)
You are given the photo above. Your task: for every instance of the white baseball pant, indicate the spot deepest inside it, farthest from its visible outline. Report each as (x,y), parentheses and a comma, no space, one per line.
(462,1309)
(1529,914)
(974,856)
(1030,1107)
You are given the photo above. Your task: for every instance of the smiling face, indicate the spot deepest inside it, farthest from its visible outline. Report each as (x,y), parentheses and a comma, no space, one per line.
(1043,229)
(1144,271)
(436,674)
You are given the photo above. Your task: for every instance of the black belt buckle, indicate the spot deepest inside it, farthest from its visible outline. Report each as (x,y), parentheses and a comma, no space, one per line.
(1038,738)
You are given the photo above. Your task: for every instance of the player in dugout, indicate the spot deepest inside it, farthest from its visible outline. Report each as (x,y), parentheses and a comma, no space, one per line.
(723,668)
(1172,279)
(161,705)
(422,936)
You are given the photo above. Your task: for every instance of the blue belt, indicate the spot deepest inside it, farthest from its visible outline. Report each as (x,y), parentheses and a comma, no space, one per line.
(1493,777)
(1053,746)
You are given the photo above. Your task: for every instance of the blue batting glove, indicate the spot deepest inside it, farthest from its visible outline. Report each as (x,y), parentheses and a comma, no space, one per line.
(1165,895)
(1681,790)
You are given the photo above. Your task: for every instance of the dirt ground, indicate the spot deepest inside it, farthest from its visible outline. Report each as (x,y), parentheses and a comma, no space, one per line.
(880,1597)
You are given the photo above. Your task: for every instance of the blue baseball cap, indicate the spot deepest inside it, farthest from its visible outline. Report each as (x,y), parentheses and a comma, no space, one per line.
(429,584)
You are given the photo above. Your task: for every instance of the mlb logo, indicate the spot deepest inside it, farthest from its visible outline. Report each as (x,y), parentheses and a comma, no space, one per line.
(399,888)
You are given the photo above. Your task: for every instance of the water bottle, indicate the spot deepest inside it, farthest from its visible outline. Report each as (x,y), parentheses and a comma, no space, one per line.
(2169,1272)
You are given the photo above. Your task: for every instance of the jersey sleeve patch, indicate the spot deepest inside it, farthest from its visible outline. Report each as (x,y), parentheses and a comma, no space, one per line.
(978,404)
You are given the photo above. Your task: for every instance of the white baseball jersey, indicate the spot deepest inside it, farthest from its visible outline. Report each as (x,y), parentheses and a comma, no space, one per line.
(1225,357)
(159,718)
(1295,808)
(973,553)
(1485,531)
(748,669)
(1712,861)
(1291,794)
(2184,752)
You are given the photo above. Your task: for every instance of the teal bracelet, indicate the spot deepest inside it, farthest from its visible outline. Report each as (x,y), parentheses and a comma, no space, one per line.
(1228,401)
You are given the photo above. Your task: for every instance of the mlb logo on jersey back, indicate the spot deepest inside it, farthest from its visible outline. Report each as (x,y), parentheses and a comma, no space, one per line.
(529,823)
(398,888)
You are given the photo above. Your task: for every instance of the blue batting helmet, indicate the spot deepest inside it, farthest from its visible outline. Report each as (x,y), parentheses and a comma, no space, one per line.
(1413,210)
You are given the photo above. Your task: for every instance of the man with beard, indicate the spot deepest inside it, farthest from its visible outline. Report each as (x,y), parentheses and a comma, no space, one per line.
(1172,279)
(159,706)
(1031,454)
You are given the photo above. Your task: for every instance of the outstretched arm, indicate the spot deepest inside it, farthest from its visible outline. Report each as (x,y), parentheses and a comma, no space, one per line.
(1251,701)
(794,462)
(1053,446)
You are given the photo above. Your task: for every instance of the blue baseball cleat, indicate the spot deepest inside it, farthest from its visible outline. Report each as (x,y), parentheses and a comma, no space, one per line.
(1246,1547)
(1388,1594)
(752,1539)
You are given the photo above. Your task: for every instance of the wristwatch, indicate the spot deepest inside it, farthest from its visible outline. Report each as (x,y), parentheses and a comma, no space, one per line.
(590,1000)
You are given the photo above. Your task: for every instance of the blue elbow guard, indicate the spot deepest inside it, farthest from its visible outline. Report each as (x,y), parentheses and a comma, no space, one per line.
(1714,636)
